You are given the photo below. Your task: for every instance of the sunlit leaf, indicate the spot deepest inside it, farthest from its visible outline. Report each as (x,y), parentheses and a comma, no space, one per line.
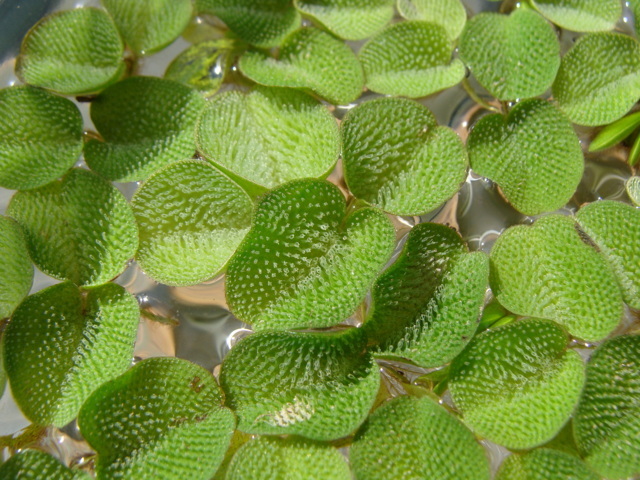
(312,60)
(191,220)
(79,228)
(632,186)
(306,263)
(544,464)
(518,384)
(396,157)
(599,78)
(581,15)
(616,132)
(451,14)
(62,343)
(72,52)
(16,271)
(410,437)
(37,465)
(534,176)
(316,385)
(40,137)
(161,419)
(411,59)
(268,137)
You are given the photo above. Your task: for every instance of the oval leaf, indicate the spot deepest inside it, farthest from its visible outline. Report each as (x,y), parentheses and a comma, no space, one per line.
(37,465)
(411,59)
(161,419)
(72,52)
(544,464)
(534,176)
(581,15)
(305,263)
(63,343)
(632,185)
(40,137)
(316,385)
(302,63)
(268,137)
(396,157)
(191,220)
(450,14)
(599,78)
(16,271)
(517,385)
(546,270)
(513,57)
(410,437)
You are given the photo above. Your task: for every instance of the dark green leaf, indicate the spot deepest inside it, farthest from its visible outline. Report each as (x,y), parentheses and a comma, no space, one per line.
(615,132)
(16,271)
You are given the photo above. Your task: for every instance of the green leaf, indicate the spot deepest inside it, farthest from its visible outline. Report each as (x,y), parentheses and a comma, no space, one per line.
(152,25)
(37,465)
(634,5)
(16,271)
(544,464)
(615,228)
(191,220)
(518,384)
(146,123)
(306,263)
(263,23)
(79,228)
(599,78)
(288,459)
(349,19)
(62,343)
(312,60)
(616,132)
(581,15)
(396,157)
(607,420)
(161,419)
(410,59)
(40,137)
(547,270)
(268,137)
(72,52)
(632,186)
(634,153)
(316,385)
(534,176)
(426,306)
(409,437)
(450,14)
(513,57)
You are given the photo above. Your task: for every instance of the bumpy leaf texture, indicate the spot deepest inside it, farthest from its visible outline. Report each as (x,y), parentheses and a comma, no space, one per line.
(16,270)
(37,465)
(544,464)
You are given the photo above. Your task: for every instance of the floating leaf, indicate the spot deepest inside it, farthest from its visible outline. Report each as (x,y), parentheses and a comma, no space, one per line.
(410,437)
(607,420)
(615,228)
(37,465)
(632,186)
(634,5)
(309,59)
(146,123)
(518,384)
(599,78)
(450,14)
(79,228)
(288,459)
(396,157)
(16,271)
(544,464)
(513,57)
(616,132)
(349,19)
(62,343)
(191,219)
(258,22)
(411,59)
(268,137)
(547,270)
(40,137)
(426,306)
(581,15)
(534,176)
(72,52)
(161,419)
(316,385)
(305,263)
(152,25)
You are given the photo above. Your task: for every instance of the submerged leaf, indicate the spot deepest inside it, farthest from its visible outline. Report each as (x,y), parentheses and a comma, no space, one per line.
(518,384)
(40,137)
(396,157)
(544,464)
(62,343)
(316,385)
(37,465)
(581,15)
(16,271)
(79,228)
(451,14)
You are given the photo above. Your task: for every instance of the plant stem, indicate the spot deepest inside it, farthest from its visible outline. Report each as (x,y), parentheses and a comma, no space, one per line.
(476,98)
